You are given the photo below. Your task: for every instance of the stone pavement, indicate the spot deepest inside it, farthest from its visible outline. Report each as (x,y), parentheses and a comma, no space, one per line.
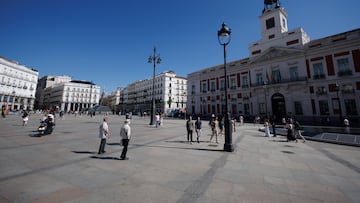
(163,167)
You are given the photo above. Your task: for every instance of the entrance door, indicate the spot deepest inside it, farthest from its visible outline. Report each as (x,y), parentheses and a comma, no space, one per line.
(278,106)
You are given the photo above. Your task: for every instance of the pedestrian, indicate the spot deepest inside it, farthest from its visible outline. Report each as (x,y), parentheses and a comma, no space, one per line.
(198,129)
(104,134)
(221,126)
(267,128)
(297,130)
(346,122)
(290,132)
(214,129)
(157,120)
(3,112)
(233,123)
(125,134)
(25,118)
(190,129)
(273,125)
(241,120)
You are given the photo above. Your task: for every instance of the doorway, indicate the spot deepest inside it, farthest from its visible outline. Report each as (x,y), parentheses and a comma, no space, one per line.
(278,106)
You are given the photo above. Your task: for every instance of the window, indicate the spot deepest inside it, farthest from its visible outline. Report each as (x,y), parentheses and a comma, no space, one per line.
(212,86)
(344,67)
(246,109)
(270,23)
(259,79)
(318,71)
(276,76)
(284,23)
(222,84)
(262,108)
(294,73)
(324,107)
(298,108)
(321,90)
(193,89)
(232,83)
(350,106)
(204,87)
(244,81)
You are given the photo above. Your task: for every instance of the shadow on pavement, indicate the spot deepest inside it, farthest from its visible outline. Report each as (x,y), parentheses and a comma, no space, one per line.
(83,152)
(169,147)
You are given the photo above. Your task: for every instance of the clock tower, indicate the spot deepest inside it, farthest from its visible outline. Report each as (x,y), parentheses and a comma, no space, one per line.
(274,30)
(273,20)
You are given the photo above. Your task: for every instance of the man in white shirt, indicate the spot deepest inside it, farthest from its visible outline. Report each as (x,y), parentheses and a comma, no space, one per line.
(104,133)
(125,134)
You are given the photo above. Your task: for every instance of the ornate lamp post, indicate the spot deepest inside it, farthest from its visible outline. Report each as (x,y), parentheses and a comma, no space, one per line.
(224,38)
(155,59)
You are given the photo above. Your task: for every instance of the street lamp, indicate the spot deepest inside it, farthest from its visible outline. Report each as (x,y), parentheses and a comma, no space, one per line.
(337,88)
(155,59)
(224,38)
(265,92)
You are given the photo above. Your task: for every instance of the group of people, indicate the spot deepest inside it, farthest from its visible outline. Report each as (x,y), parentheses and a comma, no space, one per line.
(125,134)
(215,124)
(293,129)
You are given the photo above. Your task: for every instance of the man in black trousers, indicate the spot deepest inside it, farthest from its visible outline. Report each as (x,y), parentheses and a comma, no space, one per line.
(125,134)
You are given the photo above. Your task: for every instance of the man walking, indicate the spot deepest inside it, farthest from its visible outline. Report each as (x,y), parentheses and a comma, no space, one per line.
(190,129)
(198,129)
(297,131)
(104,134)
(125,134)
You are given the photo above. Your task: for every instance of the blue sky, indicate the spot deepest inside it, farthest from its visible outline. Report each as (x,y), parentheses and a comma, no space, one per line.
(109,41)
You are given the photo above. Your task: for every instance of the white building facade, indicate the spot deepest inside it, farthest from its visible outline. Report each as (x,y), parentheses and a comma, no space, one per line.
(17,85)
(63,94)
(170,94)
(285,75)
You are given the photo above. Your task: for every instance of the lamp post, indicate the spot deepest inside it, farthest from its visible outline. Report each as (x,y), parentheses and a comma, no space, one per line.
(265,92)
(337,88)
(155,59)
(224,38)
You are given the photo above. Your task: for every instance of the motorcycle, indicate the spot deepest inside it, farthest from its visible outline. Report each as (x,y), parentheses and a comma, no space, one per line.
(47,126)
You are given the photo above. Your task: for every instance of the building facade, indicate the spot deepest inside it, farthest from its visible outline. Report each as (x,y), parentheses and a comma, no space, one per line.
(170,94)
(17,85)
(63,94)
(285,75)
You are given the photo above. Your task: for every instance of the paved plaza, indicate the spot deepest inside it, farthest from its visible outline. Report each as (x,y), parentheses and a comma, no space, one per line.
(163,167)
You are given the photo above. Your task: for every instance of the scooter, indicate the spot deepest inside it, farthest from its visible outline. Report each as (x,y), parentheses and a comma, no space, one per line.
(47,126)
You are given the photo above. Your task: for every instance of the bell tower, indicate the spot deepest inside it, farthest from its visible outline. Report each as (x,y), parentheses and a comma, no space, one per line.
(273,20)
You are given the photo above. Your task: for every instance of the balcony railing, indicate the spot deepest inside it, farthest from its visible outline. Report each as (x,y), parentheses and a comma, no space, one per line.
(319,76)
(344,73)
(282,81)
(348,91)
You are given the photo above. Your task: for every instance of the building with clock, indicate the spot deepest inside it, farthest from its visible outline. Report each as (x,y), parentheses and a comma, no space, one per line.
(285,75)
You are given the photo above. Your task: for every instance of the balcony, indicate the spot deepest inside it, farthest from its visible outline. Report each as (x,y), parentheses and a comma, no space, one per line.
(348,91)
(319,76)
(344,73)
